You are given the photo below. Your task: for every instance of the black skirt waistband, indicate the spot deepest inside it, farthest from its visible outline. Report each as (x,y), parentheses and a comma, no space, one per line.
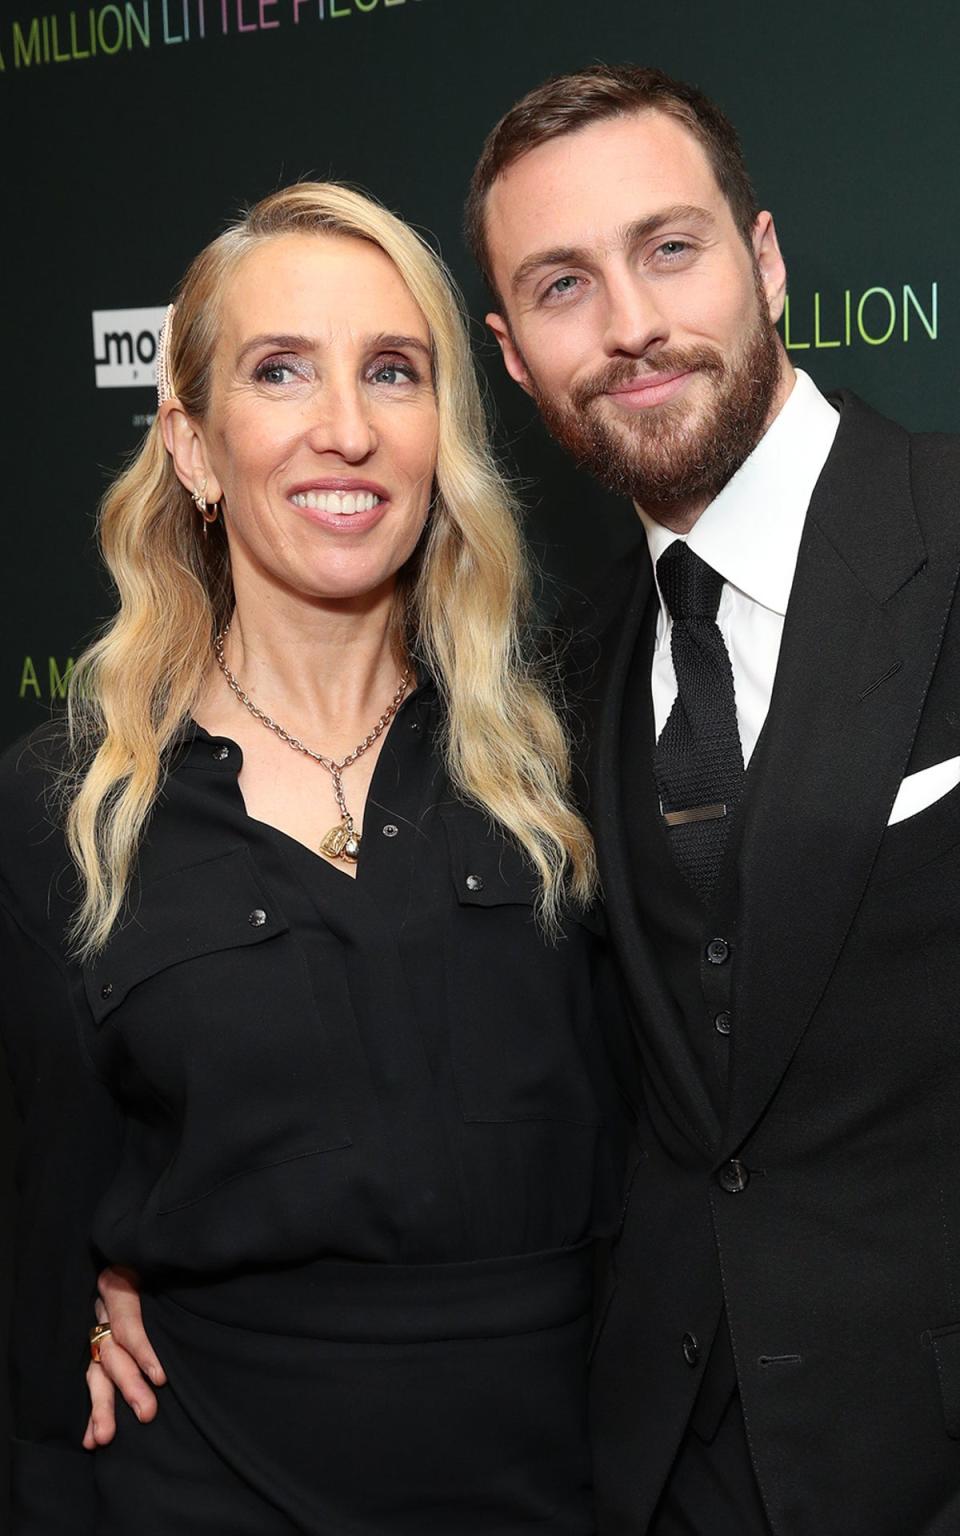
(400,1303)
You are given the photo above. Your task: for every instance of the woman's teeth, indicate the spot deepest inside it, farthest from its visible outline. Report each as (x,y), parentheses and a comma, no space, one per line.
(342,503)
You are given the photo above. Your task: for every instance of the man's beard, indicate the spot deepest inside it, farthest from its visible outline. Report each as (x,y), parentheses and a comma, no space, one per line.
(667,456)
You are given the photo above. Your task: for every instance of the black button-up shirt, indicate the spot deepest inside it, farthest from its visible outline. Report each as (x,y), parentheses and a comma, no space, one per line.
(272,1062)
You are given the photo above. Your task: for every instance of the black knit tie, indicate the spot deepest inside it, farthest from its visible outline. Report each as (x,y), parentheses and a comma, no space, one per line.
(698,759)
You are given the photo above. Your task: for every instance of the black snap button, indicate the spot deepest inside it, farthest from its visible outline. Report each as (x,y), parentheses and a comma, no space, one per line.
(734,1176)
(414,725)
(691,1349)
(474,882)
(718,951)
(390,830)
(722,1023)
(257,918)
(220,754)
(106,990)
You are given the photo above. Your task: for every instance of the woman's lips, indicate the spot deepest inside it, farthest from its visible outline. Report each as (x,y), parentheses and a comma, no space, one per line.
(347,507)
(649,389)
(344,503)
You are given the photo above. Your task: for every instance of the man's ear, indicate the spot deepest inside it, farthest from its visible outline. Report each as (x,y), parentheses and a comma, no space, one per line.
(770,264)
(512,357)
(186,447)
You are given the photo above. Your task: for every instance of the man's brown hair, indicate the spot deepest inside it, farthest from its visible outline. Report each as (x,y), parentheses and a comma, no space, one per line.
(570,102)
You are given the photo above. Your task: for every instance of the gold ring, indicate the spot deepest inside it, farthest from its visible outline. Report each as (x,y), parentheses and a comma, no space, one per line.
(97,1335)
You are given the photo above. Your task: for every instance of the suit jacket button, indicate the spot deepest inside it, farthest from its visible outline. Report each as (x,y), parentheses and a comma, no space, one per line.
(734,1176)
(718,951)
(691,1349)
(257,918)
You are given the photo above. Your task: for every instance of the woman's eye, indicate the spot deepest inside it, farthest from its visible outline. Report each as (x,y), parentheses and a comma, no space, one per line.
(275,370)
(393,373)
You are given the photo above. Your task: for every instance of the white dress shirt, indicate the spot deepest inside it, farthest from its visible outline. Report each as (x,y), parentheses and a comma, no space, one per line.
(750,534)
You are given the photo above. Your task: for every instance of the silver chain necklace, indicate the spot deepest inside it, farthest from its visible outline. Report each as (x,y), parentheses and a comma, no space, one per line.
(343,840)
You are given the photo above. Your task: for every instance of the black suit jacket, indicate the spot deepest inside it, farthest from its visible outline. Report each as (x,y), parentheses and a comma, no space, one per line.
(834,1245)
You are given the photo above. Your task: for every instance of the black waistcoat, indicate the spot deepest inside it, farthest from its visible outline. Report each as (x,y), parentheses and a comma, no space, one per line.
(695,943)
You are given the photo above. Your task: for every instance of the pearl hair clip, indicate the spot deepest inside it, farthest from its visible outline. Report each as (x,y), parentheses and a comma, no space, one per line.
(164,386)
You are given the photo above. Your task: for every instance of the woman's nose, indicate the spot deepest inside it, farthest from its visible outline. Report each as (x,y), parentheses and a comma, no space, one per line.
(342,424)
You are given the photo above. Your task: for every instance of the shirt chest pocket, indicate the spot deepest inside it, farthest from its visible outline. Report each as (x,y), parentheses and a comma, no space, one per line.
(207,1020)
(520,1004)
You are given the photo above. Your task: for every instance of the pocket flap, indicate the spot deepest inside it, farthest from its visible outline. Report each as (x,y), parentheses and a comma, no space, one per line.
(494,872)
(487,871)
(221,903)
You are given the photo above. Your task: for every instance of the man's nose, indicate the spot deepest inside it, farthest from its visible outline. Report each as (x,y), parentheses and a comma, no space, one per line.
(634,320)
(341,422)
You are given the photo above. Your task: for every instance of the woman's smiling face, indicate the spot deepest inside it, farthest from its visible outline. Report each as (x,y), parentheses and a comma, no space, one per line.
(321,434)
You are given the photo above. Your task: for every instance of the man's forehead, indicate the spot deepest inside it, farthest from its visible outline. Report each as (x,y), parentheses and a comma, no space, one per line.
(580,187)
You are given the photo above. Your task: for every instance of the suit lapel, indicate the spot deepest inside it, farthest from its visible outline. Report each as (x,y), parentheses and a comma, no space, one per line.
(672,1067)
(861,639)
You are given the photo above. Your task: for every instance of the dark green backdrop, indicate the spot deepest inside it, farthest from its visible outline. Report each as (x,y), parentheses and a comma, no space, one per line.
(129,138)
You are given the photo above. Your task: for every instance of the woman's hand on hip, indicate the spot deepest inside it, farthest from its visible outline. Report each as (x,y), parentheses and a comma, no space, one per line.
(127,1362)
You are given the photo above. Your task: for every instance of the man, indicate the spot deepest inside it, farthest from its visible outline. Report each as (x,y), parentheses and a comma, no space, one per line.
(774,761)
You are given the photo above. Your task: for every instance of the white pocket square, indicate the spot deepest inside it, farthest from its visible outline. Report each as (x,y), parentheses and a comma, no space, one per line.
(918,790)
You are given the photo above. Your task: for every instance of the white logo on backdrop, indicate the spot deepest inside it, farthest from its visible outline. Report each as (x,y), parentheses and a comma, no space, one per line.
(125,347)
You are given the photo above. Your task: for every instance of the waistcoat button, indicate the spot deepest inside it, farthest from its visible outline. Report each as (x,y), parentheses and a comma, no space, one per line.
(718,951)
(734,1176)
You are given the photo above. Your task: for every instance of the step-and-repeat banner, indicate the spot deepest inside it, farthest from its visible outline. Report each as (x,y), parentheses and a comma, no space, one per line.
(133,130)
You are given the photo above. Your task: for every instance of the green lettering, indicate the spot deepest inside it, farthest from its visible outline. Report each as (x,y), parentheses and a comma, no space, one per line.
(876,341)
(818,340)
(60,681)
(110,10)
(58,57)
(28,677)
(931,325)
(789,343)
(26,52)
(76,51)
(336,11)
(366,5)
(139,24)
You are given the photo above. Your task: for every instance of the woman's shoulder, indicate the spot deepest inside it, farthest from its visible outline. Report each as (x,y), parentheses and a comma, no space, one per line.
(31,771)
(32,849)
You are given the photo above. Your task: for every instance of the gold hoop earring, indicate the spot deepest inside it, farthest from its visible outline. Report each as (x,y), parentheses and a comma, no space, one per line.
(209,510)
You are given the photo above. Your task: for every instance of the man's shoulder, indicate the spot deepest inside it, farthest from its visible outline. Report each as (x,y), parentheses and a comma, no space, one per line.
(592,608)
(863,428)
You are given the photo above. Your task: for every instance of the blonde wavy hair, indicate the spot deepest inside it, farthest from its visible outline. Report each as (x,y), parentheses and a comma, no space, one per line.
(462,605)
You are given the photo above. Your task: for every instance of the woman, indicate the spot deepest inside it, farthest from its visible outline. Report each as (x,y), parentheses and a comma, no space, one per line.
(307,1039)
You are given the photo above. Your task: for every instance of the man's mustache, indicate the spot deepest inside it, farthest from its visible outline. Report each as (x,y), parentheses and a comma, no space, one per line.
(625,371)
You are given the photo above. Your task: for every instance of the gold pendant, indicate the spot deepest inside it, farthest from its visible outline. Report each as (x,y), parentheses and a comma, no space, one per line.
(341,842)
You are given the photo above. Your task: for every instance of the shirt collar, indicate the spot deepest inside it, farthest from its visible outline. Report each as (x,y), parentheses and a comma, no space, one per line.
(751,532)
